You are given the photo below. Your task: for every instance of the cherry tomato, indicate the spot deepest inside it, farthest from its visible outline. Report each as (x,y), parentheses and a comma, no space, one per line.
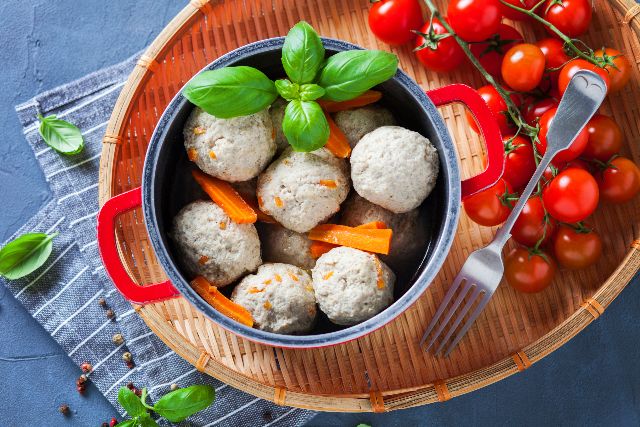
(555,57)
(533,112)
(488,207)
(548,174)
(575,149)
(522,67)
(497,106)
(572,17)
(577,248)
(576,65)
(491,51)
(605,138)
(532,225)
(618,67)
(619,181)
(442,55)
(519,164)
(571,196)
(528,272)
(392,21)
(474,20)
(514,14)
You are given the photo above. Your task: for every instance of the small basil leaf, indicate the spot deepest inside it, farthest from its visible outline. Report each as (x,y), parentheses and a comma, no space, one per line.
(127,423)
(288,90)
(131,403)
(146,421)
(311,92)
(305,125)
(25,254)
(231,91)
(349,74)
(62,136)
(302,53)
(179,404)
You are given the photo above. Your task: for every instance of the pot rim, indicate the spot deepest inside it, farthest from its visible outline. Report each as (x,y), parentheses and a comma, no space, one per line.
(442,242)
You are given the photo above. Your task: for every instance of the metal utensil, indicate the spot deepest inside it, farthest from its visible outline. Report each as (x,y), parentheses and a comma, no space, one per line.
(483,270)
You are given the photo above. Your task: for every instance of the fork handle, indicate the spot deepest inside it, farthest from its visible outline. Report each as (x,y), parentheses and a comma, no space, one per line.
(581,100)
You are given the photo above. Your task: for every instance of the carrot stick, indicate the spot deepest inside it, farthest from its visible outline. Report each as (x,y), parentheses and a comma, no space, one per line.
(226,197)
(337,143)
(224,305)
(318,249)
(369,97)
(367,239)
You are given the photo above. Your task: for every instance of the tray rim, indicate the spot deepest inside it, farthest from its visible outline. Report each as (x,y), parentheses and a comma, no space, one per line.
(378,401)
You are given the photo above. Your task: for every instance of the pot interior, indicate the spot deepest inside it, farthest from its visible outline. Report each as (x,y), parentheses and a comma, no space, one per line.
(173,186)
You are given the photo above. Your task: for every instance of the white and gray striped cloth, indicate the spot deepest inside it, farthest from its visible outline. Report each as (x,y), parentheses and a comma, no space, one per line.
(63,295)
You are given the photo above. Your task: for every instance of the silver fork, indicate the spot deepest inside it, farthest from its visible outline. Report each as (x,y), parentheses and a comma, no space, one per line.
(483,270)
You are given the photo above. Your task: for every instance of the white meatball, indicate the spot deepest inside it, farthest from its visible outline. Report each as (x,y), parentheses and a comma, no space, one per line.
(409,232)
(280,244)
(300,190)
(210,244)
(277,115)
(395,168)
(358,122)
(236,149)
(352,286)
(279,297)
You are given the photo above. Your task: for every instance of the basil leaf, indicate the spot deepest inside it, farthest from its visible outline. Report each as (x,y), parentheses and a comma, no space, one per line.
(305,125)
(311,92)
(181,403)
(62,136)
(302,53)
(25,254)
(288,90)
(231,91)
(131,403)
(127,423)
(146,421)
(349,74)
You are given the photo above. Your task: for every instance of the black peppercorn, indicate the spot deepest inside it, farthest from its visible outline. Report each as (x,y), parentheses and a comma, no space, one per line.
(102,302)
(64,409)
(110,314)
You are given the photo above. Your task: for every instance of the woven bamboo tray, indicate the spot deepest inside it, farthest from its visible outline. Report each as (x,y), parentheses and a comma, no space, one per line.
(385,370)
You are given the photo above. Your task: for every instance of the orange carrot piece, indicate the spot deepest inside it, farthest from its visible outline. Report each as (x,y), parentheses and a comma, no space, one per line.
(318,249)
(370,240)
(192,154)
(224,305)
(369,97)
(226,197)
(329,183)
(337,143)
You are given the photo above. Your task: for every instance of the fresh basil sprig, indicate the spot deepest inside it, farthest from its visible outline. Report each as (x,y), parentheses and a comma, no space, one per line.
(238,91)
(62,136)
(25,254)
(305,125)
(349,74)
(231,91)
(175,406)
(302,53)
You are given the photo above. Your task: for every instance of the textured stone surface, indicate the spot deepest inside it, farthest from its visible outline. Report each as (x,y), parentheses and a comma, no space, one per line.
(592,380)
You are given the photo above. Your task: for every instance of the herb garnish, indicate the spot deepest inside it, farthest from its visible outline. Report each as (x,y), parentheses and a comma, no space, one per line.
(240,91)
(25,254)
(175,406)
(62,136)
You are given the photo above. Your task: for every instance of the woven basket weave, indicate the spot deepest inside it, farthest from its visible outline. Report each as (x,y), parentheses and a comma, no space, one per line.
(385,370)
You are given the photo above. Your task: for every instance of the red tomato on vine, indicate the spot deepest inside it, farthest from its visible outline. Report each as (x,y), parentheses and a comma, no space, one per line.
(522,67)
(491,206)
(576,65)
(392,21)
(605,138)
(533,226)
(519,163)
(497,106)
(571,196)
(532,112)
(617,65)
(474,20)
(619,181)
(527,271)
(575,149)
(436,50)
(577,247)
(571,17)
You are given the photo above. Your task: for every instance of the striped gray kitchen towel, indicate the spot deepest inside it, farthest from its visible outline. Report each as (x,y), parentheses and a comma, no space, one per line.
(63,295)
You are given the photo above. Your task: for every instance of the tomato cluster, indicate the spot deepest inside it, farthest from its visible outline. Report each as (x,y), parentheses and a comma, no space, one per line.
(550,231)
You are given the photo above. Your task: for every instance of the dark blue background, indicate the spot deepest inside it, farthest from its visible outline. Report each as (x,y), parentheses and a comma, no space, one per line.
(593,380)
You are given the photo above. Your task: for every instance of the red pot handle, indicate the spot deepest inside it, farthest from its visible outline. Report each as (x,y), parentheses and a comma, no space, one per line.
(489,131)
(111,259)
